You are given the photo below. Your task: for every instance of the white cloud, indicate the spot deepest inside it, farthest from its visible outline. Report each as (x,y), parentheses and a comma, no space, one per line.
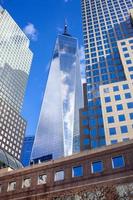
(82,64)
(31,31)
(59,30)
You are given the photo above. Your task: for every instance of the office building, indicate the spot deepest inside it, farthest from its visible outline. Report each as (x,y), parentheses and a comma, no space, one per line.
(15,62)
(105,25)
(57,134)
(26,150)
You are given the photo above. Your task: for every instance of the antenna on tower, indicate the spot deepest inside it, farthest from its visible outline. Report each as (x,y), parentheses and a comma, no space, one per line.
(66,28)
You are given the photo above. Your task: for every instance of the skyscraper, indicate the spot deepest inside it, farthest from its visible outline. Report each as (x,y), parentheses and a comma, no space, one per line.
(26,150)
(106,23)
(58,127)
(15,62)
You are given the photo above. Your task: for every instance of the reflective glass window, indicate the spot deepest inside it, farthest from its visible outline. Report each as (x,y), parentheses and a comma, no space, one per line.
(118,162)
(114,141)
(77,171)
(121,118)
(124,129)
(97,167)
(117,97)
(119,107)
(109,109)
(112,131)
(111,119)
(130,105)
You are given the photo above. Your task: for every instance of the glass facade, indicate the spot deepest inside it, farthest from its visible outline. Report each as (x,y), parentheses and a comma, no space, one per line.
(104,23)
(15,63)
(58,127)
(26,150)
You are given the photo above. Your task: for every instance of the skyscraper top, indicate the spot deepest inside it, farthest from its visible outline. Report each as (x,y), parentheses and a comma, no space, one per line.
(66,29)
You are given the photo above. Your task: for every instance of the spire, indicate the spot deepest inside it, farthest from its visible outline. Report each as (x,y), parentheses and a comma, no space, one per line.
(66,28)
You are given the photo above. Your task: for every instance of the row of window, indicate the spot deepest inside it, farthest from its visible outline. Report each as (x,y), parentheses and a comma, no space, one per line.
(124,43)
(124,129)
(118,98)
(77,171)
(111,119)
(115,141)
(116,88)
(119,107)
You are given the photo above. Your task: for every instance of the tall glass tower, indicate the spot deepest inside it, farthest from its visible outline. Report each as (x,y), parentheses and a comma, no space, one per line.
(105,22)
(58,128)
(15,63)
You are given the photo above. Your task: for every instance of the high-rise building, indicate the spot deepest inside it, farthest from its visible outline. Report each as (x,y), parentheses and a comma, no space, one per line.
(106,24)
(26,150)
(15,62)
(58,128)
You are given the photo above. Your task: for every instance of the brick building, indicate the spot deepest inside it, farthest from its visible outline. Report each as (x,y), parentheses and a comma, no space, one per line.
(73,177)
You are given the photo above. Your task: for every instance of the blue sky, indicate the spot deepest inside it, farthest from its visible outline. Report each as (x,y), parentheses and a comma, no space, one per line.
(42,20)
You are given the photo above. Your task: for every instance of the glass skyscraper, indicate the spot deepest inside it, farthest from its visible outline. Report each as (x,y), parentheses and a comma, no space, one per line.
(26,150)
(15,63)
(105,23)
(58,128)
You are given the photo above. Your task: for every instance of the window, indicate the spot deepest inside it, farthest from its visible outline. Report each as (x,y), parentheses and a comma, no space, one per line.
(42,179)
(118,162)
(107,99)
(131,76)
(93,132)
(125,87)
(119,107)
(111,119)
(125,139)
(109,109)
(126,55)
(77,171)
(128,62)
(123,43)
(117,97)
(124,49)
(112,131)
(86,141)
(131,115)
(84,113)
(114,141)
(97,167)
(121,118)
(59,176)
(130,105)
(11,186)
(115,88)
(127,95)
(124,129)
(130,41)
(86,131)
(130,69)
(106,90)
(84,122)
(26,183)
